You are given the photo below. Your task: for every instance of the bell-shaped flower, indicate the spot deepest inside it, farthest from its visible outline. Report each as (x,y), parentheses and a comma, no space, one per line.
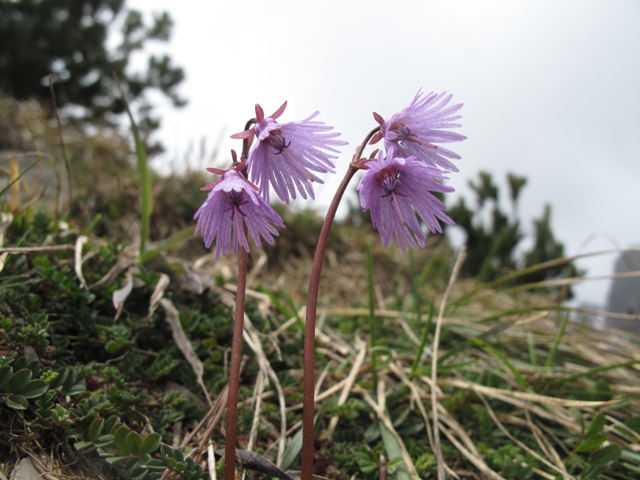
(417,129)
(397,191)
(232,203)
(290,156)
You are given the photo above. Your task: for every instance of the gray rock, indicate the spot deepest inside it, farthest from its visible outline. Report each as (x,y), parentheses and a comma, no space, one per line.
(25,471)
(624,293)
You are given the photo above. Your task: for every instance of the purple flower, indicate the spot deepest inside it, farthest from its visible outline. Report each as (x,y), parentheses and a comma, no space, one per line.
(288,156)
(395,189)
(416,129)
(232,203)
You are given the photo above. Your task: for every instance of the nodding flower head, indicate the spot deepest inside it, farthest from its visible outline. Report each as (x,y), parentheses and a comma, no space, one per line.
(232,203)
(395,190)
(289,156)
(417,129)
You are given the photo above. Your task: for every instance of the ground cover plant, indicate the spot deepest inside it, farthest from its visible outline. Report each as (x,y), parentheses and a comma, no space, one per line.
(115,357)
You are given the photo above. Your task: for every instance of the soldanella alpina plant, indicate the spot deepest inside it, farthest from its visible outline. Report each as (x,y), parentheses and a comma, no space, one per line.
(397,188)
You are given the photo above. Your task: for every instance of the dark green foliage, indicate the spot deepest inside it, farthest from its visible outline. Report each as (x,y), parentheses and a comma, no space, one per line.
(493,236)
(510,462)
(67,39)
(103,378)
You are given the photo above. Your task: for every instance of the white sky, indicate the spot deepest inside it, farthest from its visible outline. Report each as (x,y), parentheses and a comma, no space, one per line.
(550,87)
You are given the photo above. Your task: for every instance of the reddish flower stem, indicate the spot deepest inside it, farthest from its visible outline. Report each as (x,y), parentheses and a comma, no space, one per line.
(234,369)
(308,411)
(236,343)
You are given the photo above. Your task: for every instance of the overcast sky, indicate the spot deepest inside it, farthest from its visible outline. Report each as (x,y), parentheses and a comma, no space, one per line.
(551,91)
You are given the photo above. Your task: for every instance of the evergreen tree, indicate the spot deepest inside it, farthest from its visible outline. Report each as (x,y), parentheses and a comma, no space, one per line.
(67,39)
(493,237)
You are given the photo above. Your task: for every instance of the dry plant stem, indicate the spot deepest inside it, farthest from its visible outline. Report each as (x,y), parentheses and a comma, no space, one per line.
(310,323)
(234,370)
(64,150)
(434,364)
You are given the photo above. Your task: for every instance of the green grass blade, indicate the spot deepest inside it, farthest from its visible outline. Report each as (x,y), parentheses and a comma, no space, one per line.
(423,340)
(556,344)
(8,186)
(172,242)
(504,360)
(604,368)
(146,199)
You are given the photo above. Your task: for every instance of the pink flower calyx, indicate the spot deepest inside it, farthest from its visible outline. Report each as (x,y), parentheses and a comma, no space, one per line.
(264,124)
(378,135)
(361,163)
(236,170)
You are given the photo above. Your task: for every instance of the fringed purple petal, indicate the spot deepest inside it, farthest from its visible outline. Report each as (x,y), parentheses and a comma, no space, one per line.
(396,205)
(416,129)
(230,205)
(290,156)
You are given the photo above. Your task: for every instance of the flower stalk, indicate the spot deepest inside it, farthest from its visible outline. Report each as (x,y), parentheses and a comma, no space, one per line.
(234,369)
(308,410)
(236,347)
(396,188)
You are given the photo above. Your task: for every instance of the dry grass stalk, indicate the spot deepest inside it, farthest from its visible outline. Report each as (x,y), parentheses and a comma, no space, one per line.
(434,363)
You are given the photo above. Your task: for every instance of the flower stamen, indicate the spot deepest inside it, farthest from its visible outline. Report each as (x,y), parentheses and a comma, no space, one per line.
(279,143)
(391,184)
(235,201)
(405,136)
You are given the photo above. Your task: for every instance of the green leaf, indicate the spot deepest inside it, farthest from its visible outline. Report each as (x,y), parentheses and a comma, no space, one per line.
(591,443)
(372,433)
(151,443)
(392,447)
(5,375)
(596,426)
(120,439)
(104,440)
(605,455)
(82,445)
(76,389)
(134,443)
(19,380)
(33,389)
(633,423)
(110,423)
(294,447)
(156,463)
(18,402)
(72,433)
(95,429)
